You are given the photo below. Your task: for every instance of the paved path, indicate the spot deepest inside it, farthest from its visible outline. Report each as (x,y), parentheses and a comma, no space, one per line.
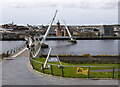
(18,72)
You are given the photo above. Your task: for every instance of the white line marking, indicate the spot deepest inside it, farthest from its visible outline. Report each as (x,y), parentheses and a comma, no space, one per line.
(22,50)
(19,52)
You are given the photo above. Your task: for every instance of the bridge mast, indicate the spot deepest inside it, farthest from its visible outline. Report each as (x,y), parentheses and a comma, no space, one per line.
(71,38)
(45,36)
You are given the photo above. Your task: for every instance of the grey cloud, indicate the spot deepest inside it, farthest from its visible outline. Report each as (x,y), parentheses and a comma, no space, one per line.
(34,5)
(69,5)
(84,5)
(41,4)
(110,5)
(53,5)
(79,5)
(18,5)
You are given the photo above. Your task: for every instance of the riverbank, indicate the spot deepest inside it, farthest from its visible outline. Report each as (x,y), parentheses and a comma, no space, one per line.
(12,39)
(87,38)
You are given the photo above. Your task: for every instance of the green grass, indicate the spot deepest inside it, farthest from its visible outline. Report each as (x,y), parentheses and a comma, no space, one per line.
(72,71)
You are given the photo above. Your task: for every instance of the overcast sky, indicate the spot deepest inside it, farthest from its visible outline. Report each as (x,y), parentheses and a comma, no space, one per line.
(77,12)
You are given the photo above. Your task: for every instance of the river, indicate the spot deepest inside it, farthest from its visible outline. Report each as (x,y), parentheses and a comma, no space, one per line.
(93,47)
(8,45)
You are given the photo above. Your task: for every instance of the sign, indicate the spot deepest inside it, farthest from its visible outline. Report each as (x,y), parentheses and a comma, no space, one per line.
(53,60)
(82,71)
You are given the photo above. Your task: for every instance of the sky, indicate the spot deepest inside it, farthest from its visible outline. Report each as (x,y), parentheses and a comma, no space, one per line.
(74,12)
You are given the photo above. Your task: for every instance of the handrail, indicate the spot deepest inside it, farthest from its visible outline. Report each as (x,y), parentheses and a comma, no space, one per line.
(70,65)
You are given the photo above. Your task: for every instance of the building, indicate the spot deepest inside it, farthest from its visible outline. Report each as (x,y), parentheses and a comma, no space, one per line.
(9,26)
(107,30)
(60,30)
(20,29)
(3,30)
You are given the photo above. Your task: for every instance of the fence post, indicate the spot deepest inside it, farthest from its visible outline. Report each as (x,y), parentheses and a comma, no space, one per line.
(113,72)
(88,72)
(43,68)
(51,69)
(11,52)
(62,72)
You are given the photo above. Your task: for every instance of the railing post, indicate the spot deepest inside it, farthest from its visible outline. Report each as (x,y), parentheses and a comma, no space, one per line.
(43,68)
(62,72)
(113,72)
(7,53)
(88,72)
(11,51)
(51,69)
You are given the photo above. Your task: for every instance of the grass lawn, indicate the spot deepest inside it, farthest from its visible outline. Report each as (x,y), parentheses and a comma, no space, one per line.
(70,70)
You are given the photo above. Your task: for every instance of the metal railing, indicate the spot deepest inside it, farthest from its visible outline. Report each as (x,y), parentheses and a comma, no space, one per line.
(35,50)
(12,51)
(101,71)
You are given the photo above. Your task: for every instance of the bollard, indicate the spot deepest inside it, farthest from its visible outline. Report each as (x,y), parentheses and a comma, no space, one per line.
(113,72)
(51,70)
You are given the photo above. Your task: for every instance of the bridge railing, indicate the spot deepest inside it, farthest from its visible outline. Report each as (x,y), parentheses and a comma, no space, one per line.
(12,51)
(34,51)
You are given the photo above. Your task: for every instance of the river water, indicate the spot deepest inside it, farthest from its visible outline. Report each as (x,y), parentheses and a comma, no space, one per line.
(8,45)
(93,47)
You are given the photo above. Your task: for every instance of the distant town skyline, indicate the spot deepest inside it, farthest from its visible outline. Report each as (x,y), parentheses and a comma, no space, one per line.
(78,12)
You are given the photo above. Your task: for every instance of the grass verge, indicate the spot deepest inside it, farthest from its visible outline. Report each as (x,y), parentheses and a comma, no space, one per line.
(70,70)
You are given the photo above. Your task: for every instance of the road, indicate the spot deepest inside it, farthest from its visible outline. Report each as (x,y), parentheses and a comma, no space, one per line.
(17,71)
